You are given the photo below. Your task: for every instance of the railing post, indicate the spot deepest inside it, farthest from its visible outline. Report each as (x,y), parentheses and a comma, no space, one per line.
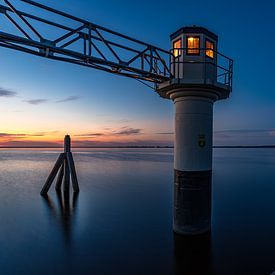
(204,67)
(90,39)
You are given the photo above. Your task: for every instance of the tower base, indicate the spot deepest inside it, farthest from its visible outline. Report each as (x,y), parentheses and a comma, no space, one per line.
(192,202)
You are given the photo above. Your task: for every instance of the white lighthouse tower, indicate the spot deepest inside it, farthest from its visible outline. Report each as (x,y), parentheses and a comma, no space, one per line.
(200,76)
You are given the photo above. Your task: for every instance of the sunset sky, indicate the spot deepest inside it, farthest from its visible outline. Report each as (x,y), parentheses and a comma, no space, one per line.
(42,100)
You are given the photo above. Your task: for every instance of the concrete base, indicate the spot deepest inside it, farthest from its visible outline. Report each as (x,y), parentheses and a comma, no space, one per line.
(192,202)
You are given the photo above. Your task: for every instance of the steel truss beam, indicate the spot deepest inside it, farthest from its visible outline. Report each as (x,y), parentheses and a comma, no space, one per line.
(87,44)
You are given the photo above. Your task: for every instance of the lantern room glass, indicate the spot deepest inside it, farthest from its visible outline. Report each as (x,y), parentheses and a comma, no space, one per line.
(209,49)
(193,45)
(177,46)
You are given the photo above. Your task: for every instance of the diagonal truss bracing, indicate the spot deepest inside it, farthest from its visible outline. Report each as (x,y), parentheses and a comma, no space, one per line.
(61,36)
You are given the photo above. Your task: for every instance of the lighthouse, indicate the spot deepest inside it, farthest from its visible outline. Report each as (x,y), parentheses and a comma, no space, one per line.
(200,76)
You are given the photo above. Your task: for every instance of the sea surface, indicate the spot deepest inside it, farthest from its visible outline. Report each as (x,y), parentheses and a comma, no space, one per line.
(121,222)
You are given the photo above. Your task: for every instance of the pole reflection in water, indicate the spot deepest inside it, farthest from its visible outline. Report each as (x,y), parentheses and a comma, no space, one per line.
(192,254)
(65,212)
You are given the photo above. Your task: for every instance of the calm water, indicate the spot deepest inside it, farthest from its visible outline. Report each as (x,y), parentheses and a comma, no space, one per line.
(121,222)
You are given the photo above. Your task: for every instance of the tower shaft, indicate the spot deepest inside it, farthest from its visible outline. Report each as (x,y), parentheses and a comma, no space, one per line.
(193,164)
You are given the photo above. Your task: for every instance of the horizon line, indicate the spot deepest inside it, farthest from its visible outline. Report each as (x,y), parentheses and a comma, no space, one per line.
(129,146)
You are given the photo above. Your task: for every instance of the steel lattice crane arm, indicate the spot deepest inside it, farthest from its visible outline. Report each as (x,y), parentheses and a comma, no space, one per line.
(71,39)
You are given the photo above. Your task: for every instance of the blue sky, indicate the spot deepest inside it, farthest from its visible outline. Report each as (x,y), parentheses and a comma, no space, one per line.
(80,100)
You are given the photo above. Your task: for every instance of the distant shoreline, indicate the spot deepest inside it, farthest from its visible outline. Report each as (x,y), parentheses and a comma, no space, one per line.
(137,147)
(80,147)
(246,146)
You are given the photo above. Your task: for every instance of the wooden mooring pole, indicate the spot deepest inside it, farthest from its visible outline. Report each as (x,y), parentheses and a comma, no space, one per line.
(65,169)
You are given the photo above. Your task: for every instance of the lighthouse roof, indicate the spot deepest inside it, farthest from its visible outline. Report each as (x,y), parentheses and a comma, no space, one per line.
(194,29)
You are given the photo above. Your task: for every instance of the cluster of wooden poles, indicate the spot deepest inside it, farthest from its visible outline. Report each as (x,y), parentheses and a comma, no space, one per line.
(64,169)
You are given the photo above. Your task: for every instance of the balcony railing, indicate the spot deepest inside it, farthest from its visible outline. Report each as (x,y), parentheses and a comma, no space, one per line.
(222,66)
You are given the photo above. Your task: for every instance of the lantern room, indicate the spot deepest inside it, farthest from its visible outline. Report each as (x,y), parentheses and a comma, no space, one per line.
(194,55)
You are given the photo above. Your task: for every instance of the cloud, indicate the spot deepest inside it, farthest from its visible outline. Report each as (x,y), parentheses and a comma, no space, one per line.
(124,121)
(119,120)
(20,135)
(123,131)
(245,137)
(37,101)
(166,133)
(7,93)
(7,135)
(40,134)
(243,131)
(90,135)
(69,98)
(104,115)
(127,131)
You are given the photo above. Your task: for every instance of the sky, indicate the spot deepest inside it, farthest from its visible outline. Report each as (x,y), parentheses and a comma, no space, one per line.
(41,100)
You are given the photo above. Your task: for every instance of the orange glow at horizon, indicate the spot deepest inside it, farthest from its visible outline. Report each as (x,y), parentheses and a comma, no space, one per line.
(123,135)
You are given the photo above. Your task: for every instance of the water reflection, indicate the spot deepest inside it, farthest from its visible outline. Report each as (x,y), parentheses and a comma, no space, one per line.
(64,212)
(192,254)
(121,224)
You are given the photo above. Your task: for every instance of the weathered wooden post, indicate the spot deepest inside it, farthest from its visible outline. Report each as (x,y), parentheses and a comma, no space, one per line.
(65,166)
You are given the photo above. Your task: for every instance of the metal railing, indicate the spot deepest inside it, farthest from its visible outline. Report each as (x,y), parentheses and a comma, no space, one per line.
(222,66)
